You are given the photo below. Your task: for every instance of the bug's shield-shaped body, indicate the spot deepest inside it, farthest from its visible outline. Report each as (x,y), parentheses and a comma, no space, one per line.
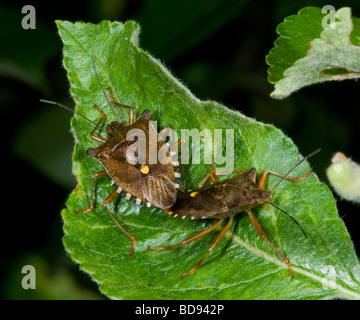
(154,187)
(221,199)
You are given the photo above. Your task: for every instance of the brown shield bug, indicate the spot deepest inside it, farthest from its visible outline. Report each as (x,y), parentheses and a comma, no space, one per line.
(147,184)
(221,200)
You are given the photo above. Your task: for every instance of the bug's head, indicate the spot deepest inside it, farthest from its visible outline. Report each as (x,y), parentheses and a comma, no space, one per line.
(92,152)
(256,195)
(145,115)
(260,196)
(113,127)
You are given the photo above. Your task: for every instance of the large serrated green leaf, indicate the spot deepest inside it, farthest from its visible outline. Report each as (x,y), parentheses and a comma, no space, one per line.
(309,51)
(242,266)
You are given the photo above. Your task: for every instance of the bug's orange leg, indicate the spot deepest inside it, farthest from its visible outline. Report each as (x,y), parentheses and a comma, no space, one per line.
(188,240)
(183,152)
(92,203)
(113,102)
(177,144)
(261,184)
(93,136)
(182,189)
(217,240)
(220,173)
(239,170)
(211,175)
(162,133)
(263,237)
(175,148)
(203,181)
(110,198)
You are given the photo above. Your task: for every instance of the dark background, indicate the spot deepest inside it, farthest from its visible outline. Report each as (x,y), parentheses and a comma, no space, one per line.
(217,48)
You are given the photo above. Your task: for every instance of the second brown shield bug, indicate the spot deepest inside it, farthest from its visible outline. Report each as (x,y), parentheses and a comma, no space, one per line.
(223,200)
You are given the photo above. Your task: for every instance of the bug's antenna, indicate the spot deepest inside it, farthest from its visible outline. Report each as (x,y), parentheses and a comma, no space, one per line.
(300,162)
(67,108)
(102,88)
(293,219)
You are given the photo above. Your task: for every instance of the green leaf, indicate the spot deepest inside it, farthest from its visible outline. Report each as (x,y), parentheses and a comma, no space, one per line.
(242,266)
(306,53)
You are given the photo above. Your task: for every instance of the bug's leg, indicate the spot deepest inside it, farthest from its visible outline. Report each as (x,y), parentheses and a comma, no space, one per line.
(217,240)
(113,102)
(93,136)
(182,189)
(211,175)
(173,155)
(174,150)
(261,184)
(203,181)
(183,153)
(239,170)
(92,203)
(177,144)
(110,198)
(188,240)
(220,173)
(263,237)
(163,132)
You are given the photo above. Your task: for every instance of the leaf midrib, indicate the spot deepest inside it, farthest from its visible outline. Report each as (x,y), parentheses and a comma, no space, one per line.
(346,292)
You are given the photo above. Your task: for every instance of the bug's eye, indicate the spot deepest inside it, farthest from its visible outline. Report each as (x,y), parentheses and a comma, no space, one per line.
(114,127)
(92,152)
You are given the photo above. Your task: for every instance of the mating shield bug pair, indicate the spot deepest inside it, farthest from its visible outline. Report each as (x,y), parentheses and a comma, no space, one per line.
(156,185)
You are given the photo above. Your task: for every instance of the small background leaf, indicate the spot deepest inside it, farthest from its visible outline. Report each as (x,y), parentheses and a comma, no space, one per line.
(296,33)
(306,53)
(242,266)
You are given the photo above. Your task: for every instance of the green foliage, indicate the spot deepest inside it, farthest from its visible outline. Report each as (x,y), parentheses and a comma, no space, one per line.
(306,53)
(242,266)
